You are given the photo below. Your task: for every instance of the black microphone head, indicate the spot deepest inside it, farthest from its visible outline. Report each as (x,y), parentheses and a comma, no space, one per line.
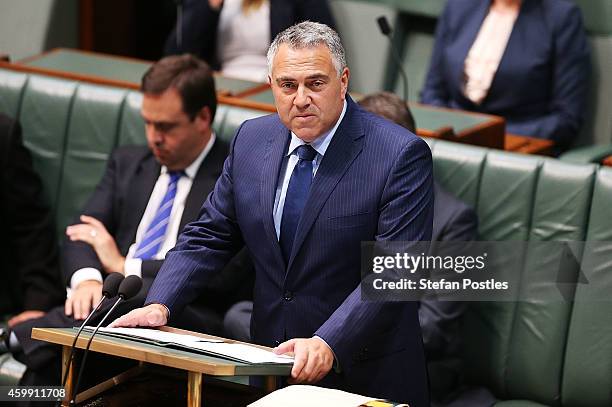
(111,284)
(130,287)
(384,26)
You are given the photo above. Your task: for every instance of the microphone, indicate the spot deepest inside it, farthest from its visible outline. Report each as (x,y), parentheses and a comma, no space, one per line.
(109,290)
(385,29)
(127,289)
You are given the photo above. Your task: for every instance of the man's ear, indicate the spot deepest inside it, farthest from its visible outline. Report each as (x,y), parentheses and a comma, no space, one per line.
(204,118)
(344,80)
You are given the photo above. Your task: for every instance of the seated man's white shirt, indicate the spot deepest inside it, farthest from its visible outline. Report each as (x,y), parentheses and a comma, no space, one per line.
(134,266)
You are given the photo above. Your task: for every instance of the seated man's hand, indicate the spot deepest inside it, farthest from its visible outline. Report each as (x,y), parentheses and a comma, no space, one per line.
(313,359)
(94,233)
(24,316)
(83,299)
(150,316)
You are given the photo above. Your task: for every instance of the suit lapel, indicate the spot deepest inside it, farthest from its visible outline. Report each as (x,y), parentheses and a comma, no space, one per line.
(275,152)
(204,182)
(139,193)
(342,151)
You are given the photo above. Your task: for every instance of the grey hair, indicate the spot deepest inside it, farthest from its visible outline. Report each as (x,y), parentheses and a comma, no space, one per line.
(308,34)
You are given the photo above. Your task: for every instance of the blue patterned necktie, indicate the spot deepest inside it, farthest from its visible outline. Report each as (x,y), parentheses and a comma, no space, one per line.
(154,236)
(295,199)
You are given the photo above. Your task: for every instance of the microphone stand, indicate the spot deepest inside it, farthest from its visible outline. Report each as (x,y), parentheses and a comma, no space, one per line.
(81,369)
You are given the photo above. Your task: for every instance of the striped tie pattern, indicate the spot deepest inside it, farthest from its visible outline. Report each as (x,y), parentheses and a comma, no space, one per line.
(297,194)
(154,237)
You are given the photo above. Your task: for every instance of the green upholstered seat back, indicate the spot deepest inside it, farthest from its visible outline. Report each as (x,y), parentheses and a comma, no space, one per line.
(234,117)
(92,134)
(131,127)
(458,168)
(44,115)
(507,189)
(518,348)
(587,373)
(560,212)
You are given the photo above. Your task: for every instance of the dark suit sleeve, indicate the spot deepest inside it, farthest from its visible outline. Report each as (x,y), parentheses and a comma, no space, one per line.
(199,33)
(150,268)
(435,90)
(32,235)
(439,319)
(570,80)
(101,205)
(405,215)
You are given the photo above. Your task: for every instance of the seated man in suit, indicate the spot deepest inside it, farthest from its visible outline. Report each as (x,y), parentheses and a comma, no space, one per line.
(30,282)
(453,220)
(144,199)
(440,320)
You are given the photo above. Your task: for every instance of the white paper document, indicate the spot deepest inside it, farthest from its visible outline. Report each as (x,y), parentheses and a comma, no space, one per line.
(159,336)
(236,351)
(244,352)
(308,396)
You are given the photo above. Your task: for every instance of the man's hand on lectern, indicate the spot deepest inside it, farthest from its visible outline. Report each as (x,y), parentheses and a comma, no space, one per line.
(150,316)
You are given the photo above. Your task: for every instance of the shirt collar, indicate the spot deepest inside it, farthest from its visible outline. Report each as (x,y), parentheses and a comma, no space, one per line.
(193,168)
(321,143)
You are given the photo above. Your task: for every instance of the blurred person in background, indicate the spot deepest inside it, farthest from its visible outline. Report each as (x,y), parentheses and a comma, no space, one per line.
(233,36)
(30,281)
(525,60)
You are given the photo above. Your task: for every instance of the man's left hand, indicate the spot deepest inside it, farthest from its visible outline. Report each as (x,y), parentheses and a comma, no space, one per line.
(24,316)
(94,233)
(313,359)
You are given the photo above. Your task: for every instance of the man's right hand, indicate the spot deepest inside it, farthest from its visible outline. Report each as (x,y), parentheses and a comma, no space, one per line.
(83,299)
(150,316)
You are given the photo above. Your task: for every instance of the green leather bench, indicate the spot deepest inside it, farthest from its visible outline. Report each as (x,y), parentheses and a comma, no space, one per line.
(529,353)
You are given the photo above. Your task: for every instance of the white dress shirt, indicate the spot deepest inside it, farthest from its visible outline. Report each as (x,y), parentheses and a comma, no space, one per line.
(134,266)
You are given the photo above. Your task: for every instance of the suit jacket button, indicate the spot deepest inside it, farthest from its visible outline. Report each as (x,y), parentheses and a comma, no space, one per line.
(288,296)
(276,343)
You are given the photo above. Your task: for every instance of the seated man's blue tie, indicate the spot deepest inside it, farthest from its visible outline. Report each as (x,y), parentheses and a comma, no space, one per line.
(295,199)
(155,235)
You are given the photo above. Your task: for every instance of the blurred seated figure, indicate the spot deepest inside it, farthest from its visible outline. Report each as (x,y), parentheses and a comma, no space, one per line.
(525,60)
(30,281)
(453,220)
(146,196)
(233,36)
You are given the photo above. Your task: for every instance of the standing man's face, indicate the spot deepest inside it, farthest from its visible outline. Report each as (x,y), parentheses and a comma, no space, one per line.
(308,93)
(174,139)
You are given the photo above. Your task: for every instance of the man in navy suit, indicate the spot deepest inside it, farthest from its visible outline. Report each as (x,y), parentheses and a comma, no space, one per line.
(302,189)
(453,221)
